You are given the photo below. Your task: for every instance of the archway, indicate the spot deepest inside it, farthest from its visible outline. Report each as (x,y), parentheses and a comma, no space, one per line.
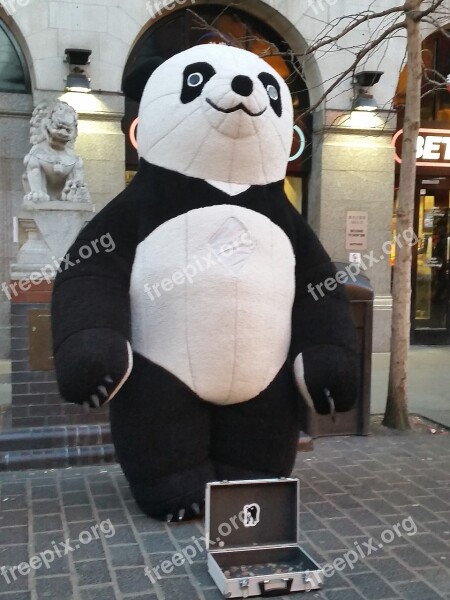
(435,94)
(14,73)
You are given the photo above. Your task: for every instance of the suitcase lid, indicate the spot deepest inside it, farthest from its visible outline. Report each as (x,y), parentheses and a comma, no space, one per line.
(259,512)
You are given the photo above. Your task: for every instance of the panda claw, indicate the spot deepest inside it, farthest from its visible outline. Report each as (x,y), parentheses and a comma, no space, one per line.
(108,379)
(95,401)
(103,391)
(331,404)
(86,406)
(181,514)
(169,518)
(196,508)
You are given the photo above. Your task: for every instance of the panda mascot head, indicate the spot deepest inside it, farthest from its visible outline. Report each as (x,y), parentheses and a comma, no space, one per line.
(214,112)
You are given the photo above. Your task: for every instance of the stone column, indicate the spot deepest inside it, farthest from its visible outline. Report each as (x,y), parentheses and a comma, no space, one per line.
(354,170)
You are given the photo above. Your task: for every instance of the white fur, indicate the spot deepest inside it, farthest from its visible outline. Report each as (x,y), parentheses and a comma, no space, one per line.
(197,140)
(232,189)
(227,334)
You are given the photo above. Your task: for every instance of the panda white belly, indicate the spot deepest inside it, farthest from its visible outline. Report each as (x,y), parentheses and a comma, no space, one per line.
(211,300)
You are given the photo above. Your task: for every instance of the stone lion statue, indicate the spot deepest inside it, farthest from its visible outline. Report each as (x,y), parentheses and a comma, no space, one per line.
(52,169)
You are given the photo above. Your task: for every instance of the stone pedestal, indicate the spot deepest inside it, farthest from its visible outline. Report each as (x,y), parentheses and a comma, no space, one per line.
(45,233)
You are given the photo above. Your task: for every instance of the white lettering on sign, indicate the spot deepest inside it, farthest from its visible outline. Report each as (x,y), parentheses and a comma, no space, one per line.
(356,230)
(433,147)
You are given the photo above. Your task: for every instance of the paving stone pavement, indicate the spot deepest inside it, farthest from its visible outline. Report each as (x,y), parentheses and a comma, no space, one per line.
(357,493)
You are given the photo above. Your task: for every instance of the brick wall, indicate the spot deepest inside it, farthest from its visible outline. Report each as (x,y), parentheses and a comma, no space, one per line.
(35,398)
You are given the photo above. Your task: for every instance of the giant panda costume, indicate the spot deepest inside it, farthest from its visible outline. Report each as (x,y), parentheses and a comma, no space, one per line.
(199,327)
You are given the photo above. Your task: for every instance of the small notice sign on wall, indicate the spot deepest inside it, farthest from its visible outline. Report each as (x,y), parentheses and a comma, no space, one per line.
(356,230)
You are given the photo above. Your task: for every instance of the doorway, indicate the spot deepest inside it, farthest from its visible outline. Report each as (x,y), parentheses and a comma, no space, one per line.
(431,263)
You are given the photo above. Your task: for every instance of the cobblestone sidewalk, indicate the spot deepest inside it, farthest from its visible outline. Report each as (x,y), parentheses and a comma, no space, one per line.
(352,489)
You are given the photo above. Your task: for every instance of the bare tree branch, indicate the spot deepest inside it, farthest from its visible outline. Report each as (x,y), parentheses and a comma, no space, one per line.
(360,55)
(326,40)
(424,13)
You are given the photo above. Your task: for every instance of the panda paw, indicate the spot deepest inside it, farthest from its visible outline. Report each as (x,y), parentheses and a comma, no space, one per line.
(328,378)
(92,365)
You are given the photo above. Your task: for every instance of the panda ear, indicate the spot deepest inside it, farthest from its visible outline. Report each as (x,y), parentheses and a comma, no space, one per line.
(134,82)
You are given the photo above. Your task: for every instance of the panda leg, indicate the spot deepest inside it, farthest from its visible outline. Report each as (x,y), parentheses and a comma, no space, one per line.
(161,433)
(258,439)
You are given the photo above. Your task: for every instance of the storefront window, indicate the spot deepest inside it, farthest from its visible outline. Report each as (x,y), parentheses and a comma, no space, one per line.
(293,187)
(13,71)
(436,56)
(433,255)
(430,274)
(435,105)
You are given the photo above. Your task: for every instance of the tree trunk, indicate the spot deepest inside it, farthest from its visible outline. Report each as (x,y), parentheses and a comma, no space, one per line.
(396,415)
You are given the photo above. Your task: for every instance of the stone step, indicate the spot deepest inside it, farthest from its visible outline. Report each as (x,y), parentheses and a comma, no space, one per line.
(67,446)
(55,447)
(56,458)
(39,438)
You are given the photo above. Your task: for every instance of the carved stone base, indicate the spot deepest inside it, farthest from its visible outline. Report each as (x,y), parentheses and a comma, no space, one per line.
(46,231)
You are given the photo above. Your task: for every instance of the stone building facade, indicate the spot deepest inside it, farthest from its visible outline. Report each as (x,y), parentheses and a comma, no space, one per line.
(352,165)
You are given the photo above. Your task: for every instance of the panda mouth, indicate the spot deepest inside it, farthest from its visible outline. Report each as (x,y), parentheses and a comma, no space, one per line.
(239,106)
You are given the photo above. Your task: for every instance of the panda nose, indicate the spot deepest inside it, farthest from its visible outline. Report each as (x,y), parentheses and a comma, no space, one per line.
(242,85)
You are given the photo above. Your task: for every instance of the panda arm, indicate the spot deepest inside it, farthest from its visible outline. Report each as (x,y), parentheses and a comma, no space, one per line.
(324,344)
(91,307)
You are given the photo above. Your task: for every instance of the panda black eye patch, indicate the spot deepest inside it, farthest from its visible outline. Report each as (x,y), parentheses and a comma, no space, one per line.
(195,77)
(273,91)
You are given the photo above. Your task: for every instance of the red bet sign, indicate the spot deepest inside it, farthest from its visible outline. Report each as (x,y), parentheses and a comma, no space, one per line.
(433,147)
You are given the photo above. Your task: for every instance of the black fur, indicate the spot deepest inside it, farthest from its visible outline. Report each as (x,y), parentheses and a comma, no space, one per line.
(134,83)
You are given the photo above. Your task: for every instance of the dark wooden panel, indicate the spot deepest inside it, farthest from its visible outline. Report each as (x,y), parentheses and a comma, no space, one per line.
(40,340)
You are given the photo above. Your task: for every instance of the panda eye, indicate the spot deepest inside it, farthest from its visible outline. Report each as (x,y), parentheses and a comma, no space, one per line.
(272,92)
(272,87)
(195,79)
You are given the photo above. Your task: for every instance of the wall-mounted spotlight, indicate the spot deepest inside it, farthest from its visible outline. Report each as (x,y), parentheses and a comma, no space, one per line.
(362,82)
(77,79)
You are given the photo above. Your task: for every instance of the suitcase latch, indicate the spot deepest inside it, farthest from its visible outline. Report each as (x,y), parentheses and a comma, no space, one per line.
(308,580)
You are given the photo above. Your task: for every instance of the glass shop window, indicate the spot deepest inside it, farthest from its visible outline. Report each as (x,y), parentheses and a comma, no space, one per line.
(13,70)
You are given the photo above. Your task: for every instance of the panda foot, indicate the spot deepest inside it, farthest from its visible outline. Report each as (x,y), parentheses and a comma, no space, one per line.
(175,498)
(193,512)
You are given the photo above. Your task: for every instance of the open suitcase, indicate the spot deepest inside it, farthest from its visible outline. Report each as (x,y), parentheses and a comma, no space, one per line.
(252,539)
